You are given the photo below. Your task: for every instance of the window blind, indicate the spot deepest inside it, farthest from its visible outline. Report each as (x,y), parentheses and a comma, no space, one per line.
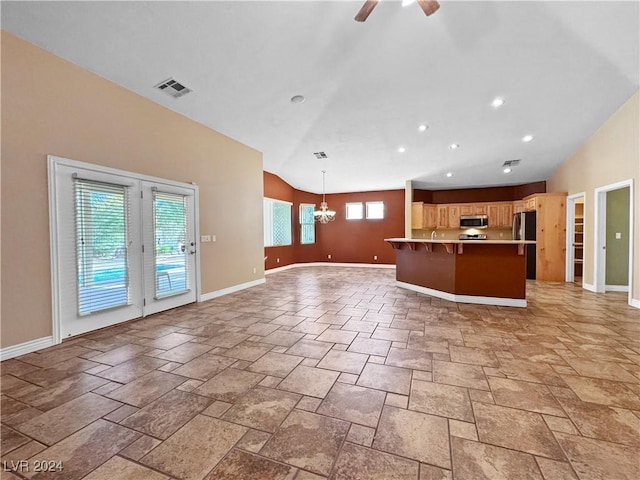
(101,221)
(171,244)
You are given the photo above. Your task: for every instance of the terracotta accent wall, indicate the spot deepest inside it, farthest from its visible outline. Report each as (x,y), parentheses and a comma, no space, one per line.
(278,189)
(487,194)
(357,241)
(611,155)
(50,106)
(347,241)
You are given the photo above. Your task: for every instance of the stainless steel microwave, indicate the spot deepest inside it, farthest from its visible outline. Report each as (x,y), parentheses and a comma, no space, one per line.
(474,221)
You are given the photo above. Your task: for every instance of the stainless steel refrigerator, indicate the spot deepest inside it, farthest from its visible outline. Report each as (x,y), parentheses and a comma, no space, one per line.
(524,228)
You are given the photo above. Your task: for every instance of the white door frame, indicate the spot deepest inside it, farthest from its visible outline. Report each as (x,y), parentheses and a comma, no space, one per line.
(600,231)
(571,230)
(52,162)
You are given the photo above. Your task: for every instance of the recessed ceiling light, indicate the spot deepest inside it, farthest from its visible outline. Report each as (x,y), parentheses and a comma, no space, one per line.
(422,128)
(527,138)
(297,99)
(449,174)
(401,149)
(497,102)
(453,146)
(506,170)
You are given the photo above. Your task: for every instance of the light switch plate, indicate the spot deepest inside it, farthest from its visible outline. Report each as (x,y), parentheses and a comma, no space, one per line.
(205,238)
(618,235)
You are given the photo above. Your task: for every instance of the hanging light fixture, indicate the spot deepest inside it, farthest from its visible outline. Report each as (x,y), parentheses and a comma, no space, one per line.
(324,215)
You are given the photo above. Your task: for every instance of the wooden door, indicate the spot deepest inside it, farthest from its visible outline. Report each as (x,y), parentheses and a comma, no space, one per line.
(454,216)
(494,215)
(430,216)
(506,215)
(466,209)
(443,216)
(480,209)
(518,206)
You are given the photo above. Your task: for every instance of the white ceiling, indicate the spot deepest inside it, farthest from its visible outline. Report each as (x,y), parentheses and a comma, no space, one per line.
(562,67)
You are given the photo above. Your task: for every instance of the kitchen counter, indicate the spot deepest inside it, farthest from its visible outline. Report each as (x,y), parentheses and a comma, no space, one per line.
(427,240)
(491,272)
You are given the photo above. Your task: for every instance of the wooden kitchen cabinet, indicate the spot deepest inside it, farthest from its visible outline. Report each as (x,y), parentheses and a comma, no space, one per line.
(429,216)
(518,206)
(416,216)
(467,209)
(494,215)
(443,216)
(505,215)
(529,204)
(454,216)
(550,235)
(481,209)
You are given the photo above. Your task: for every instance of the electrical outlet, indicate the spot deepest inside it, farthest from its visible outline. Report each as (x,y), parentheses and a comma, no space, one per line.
(501,234)
(618,235)
(205,238)
(213,238)
(375,257)
(277,260)
(329,256)
(254,270)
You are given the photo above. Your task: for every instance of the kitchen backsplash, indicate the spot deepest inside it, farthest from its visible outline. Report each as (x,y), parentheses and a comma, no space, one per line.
(453,233)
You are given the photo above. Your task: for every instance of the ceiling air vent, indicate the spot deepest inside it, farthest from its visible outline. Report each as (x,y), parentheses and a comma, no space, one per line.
(511,163)
(173,88)
(320,155)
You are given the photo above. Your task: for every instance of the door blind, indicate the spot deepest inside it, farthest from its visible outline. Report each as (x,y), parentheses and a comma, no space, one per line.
(101,221)
(171,244)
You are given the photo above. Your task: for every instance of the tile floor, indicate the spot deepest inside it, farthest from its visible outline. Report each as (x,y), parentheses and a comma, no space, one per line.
(328,372)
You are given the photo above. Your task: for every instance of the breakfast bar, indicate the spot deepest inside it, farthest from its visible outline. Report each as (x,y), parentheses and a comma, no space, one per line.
(490,272)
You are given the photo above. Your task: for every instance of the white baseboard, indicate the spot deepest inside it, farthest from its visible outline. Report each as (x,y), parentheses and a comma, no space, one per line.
(226,291)
(634,303)
(616,288)
(330,264)
(26,347)
(589,286)
(452,297)
(281,269)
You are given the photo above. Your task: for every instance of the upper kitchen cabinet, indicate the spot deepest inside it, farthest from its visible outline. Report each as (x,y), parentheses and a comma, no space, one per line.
(481,209)
(416,216)
(429,216)
(442,216)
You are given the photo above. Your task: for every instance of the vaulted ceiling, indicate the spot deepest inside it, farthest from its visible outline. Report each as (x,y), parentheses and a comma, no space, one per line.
(562,69)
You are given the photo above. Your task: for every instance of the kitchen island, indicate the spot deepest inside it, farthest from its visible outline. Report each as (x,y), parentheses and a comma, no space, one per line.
(490,272)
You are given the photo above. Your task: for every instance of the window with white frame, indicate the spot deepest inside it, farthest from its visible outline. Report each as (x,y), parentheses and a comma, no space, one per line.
(307,224)
(354,211)
(375,210)
(277,222)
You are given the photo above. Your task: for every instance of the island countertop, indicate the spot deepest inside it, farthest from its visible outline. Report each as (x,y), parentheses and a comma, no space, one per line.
(480,242)
(490,272)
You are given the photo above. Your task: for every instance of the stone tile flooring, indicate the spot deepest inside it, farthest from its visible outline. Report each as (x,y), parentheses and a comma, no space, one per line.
(326,372)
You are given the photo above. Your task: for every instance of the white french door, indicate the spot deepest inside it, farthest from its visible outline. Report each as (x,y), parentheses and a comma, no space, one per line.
(123,246)
(169,246)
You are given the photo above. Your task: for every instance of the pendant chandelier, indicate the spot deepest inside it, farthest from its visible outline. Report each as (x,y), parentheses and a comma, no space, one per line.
(324,215)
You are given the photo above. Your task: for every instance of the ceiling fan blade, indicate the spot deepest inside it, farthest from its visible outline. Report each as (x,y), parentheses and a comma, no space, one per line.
(366,10)
(429,7)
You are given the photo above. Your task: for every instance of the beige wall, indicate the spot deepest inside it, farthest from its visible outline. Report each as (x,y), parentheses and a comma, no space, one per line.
(50,106)
(611,155)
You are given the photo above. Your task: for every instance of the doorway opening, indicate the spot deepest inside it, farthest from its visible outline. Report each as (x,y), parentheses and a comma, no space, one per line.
(613,247)
(575,238)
